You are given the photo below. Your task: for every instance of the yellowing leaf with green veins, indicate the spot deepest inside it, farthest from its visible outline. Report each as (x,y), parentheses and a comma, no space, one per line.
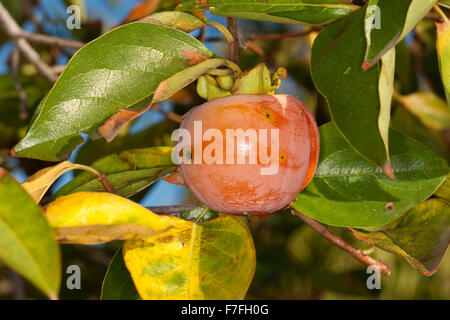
(444,190)
(421,237)
(212,260)
(443,50)
(38,184)
(431,110)
(90,217)
(26,241)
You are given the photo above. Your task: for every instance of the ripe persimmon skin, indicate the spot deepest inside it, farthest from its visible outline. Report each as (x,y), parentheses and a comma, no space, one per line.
(240,188)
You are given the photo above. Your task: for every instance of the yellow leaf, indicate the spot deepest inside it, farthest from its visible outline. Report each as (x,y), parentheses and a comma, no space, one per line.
(90,217)
(430,109)
(212,260)
(38,184)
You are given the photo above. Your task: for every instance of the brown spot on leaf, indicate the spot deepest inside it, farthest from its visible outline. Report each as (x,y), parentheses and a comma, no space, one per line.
(161,92)
(389,206)
(194,57)
(112,126)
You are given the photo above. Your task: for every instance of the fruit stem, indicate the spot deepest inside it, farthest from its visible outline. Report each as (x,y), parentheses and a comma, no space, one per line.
(225,32)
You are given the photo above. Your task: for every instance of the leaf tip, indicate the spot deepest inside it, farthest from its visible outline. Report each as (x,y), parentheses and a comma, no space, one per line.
(175,178)
(365,66)
(387,169)
(112,126)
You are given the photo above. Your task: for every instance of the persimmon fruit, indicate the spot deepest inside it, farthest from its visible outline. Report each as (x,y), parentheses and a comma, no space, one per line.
(240,188)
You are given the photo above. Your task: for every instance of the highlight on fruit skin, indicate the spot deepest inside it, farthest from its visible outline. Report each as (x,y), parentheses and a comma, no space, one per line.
(284,164)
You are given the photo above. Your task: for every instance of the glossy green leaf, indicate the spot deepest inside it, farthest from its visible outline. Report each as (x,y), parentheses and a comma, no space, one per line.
(310,12)
(212,260)
(179,20)
(430,109)
(443,50)
(422,237)
(387,22)
(117,284)
(119,70)
(354,97)
(128,172)
(349,191)
(26,243)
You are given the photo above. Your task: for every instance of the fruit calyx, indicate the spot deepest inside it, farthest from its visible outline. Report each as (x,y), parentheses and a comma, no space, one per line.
(257,80)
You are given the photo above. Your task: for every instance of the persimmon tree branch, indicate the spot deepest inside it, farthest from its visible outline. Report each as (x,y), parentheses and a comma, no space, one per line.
(12,29)
(49,40)
(342,244)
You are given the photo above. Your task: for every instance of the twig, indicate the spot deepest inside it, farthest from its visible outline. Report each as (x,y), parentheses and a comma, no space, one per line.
(29,12)
(255,48)
(15,71)
(12,29)
(50,40)
(172,209)
(232,47)
(169,115)
(105,182)
(59,68)
(342,244)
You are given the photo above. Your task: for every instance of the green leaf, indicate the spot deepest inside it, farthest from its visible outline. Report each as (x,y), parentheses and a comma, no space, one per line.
(430,109)
(422,237)
(354,97)
(444,190)
(117,284)
(179,20)
(212,260)
(396,19)
(128,172)
(443,50)
(26,243)
(157,135)
(309,12)
(349,191)
(119,70)
(200,214)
